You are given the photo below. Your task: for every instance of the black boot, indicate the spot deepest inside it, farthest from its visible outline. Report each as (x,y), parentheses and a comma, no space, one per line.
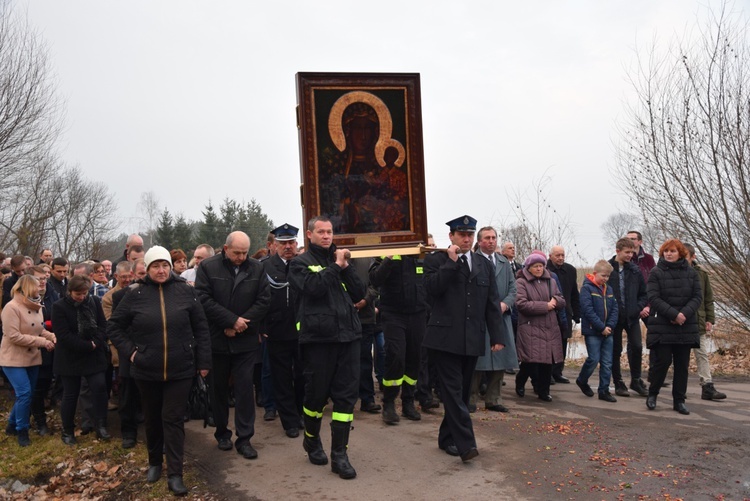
(339,443)
(101,431)
(68,437)
(708,392)
(175,484)
(23,438)
(408,410)
(389,412)
(311,443)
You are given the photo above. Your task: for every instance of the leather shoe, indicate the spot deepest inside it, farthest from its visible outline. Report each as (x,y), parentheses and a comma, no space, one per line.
(43,430)
(472,408)
(496,408)
(561,379)
(175,484)
(451,450)
(680,407)
(469,455)
(585,388)
(247,452)
(545,398)
(607,397)
(269,415)
(128,443)
(428,404)
(370,407)
(225,444)
(520,389)
(651,402)
(154,473)
(292,432)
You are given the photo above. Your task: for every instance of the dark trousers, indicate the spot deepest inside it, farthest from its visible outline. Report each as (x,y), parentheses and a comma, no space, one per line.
(454,374)
(635,349)
(664,355)
(540,375)
(557,369)
(366,385)
(164,407)
(428,378)
(37,400)
(128,407)
(403,341)
(71,389)
(331,371)
(240,366)
(266,378)
(288,381)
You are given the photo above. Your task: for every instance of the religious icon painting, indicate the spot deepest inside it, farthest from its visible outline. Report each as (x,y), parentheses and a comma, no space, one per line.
(362,162)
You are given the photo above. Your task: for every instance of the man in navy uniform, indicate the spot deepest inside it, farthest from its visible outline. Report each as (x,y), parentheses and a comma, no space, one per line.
(281,333)
(464,299)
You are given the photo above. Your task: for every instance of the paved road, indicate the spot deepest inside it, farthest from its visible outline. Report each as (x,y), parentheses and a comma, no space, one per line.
(574,448)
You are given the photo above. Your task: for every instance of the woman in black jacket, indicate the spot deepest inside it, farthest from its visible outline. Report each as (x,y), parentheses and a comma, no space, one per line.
(674,293)
(161,324)
(80,327)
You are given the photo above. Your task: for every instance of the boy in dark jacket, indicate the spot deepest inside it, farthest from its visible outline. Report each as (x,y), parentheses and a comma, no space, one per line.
(598,319)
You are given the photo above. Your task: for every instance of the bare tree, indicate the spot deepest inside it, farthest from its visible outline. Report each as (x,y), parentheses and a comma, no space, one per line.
(30,112)
(536,222)
(148,207)
(685,147)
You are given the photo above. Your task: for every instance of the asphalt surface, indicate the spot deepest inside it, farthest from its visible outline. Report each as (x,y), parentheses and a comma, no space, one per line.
(573,448)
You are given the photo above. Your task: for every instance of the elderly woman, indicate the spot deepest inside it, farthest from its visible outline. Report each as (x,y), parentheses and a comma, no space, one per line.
(538,345)
(23,336)
(160,324)
(179,261)
(674,293)
(82,351)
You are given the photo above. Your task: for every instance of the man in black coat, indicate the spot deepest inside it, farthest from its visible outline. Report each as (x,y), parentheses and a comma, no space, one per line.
(281,333)
(465,300)
(629,289)
(568,276)
(329,335)
(234,292)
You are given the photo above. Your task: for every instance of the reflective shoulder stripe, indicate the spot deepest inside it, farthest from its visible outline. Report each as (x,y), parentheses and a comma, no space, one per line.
(315,268)
(419,270)
(299,325)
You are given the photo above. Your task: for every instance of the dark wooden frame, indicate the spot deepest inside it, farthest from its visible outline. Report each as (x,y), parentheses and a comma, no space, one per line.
(316,93)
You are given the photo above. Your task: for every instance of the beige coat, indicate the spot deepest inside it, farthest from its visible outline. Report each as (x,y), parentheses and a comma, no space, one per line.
(23,333)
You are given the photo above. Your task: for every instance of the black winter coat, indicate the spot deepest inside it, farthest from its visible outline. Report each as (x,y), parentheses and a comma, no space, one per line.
(327,294)
(401,283)
(673,288)
(461,306)
(74,353)
(635,291)
(279,321)
(165,326)
(227,297)
(568,276)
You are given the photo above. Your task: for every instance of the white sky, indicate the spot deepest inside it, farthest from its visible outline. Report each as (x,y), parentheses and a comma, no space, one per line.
(194,100)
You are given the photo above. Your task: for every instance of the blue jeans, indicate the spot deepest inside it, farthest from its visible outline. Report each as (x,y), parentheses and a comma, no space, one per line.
(600,353)
(23,380)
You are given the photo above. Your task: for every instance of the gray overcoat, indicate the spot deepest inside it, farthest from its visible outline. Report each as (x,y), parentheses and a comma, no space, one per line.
(506,286)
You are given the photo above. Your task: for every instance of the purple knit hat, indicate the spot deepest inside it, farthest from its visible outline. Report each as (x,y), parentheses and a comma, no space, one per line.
(534,258)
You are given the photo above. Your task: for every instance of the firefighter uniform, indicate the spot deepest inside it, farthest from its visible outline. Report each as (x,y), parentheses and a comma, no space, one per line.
(403,310)
(329,338)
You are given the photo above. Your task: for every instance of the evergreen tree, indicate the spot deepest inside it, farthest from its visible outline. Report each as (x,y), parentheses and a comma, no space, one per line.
(183,234)
(211,228)
(164,234)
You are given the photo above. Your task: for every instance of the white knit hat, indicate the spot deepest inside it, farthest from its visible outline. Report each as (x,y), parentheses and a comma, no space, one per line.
(157,253)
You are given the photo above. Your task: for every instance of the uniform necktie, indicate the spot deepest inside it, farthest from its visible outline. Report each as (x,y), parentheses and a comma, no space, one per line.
(465,265)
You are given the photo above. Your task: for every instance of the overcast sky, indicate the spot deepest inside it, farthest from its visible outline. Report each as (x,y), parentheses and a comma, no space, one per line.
(195,100)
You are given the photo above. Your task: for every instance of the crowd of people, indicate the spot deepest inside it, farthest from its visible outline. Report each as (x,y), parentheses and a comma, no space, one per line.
(296,329)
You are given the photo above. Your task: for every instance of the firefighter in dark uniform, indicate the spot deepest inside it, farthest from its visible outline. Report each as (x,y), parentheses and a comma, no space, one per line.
(282,337)
(329,337)
(464,297)
(403,312)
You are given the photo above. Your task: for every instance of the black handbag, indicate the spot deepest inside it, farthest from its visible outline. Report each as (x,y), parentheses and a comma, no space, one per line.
(199,403)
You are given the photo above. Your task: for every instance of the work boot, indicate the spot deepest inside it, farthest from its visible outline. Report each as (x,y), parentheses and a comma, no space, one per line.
(23,438)
(311,443)
(408,410)
(637,386)
(389,413)
(68,437)
(710,393)
(339,443)
(620,389)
